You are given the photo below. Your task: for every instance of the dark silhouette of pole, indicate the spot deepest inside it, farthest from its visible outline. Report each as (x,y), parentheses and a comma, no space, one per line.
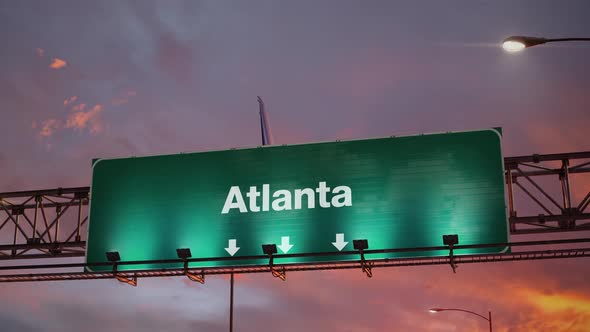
(231,302)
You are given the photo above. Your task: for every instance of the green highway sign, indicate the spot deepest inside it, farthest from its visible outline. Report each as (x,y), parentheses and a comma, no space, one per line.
(396,192)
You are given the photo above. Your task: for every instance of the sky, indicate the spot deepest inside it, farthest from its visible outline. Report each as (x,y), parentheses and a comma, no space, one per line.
(82,80)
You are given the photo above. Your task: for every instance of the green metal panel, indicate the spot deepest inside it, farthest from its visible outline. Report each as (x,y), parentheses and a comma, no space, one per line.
(404,192)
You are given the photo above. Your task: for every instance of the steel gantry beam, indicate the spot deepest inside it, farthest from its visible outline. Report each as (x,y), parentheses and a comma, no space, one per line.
(453,261)
(545,193)
(545,185)
(43,223)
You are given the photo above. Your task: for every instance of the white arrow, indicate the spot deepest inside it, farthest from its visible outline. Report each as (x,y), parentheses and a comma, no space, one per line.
(231,247)
(339,244)
(285,246)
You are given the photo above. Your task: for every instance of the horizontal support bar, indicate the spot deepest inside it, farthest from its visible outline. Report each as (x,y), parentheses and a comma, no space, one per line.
(549,218)
(319,254)
(54,245)
(546,157)
(44,192)
(547,172)
(38,256)
(544,230)
(47,204)
(467,259)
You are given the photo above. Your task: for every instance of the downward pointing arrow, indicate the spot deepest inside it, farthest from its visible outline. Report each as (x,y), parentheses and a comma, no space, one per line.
(285,246)
(339,244)
(231,247)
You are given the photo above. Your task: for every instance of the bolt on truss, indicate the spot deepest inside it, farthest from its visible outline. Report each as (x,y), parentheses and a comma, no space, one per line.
(53,223)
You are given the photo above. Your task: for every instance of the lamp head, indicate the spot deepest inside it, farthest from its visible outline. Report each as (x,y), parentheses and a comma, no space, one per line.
(183,253)
(450,239)
(518,43)
(269,249)
(362,244)
(113,256)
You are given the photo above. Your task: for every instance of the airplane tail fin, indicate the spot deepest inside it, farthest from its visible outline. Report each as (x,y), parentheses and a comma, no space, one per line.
(267,138)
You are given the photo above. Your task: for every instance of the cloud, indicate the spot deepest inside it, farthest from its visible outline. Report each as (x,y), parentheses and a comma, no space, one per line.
(11,323)
(57,63)
(400,297)
(124,98)
(48,127)
(79,107)
(70,100)
(119,101)
(79,119)
(175,58)
(555,303)
(40,52)
(91,120)
(548,138)
(552,312)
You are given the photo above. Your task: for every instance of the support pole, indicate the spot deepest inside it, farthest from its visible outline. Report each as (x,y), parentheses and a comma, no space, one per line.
(231,302)
(490,320)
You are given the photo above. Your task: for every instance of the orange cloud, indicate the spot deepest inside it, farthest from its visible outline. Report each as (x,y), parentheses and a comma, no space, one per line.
(555,303)
(557,300)
(554,312)
(57,63)
(91,120)
(48,127)
(79,107)
(40,52)
(70,100)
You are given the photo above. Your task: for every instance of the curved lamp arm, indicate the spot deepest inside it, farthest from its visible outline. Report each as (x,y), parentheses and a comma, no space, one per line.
(518,43)
(455,309)
(567,39)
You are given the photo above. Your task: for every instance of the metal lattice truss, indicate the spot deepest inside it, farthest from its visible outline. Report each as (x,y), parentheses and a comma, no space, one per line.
(43,223)
(547,183)
(53,223)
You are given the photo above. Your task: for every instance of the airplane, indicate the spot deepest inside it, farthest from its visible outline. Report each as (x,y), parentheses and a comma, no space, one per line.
(265,132)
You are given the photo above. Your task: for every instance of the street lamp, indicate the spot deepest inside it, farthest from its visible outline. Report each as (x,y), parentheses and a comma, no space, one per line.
(489,318)
(518,43)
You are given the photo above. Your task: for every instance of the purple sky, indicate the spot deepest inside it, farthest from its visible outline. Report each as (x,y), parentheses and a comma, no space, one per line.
(81,80)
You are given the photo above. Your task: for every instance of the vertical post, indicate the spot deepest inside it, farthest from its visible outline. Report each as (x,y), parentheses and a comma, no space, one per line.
(565,188)
(15,235)
(57,213)
(37,203)
(512,213)
(566,180)
(231,302)
(490,319)
(564,177)
(79,219)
